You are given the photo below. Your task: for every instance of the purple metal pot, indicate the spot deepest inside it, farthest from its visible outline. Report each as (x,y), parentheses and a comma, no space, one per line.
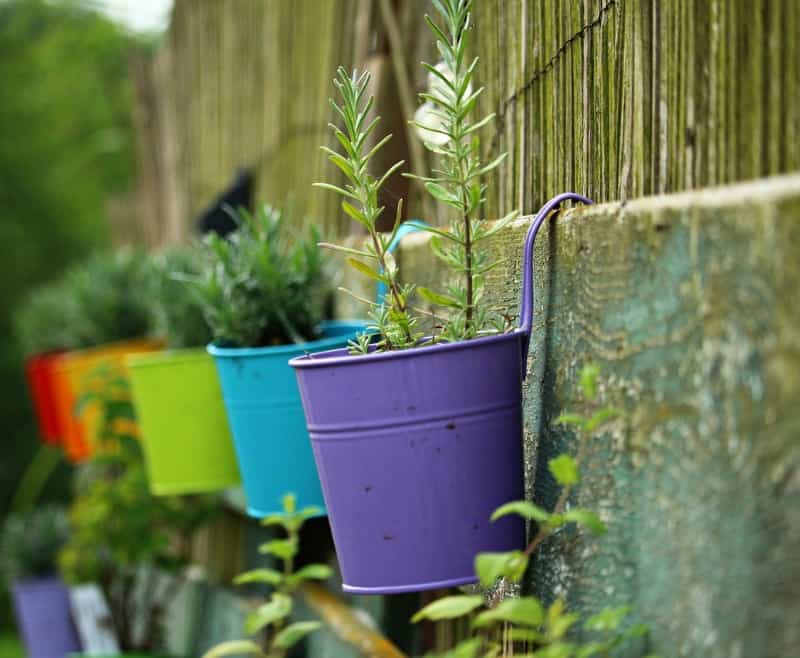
(416,448)
(44,619)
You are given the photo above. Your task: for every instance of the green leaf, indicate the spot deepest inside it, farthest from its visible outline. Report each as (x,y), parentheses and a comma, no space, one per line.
(637,630)
(570,419)
(558,621)
(387,173)
(493,164)
(522,508)
(274,519)
(500,224)
(465,649)
(601,417)
(278,607)
(284,549)
(588,381)
(526,611)
(309,512)
(365,269)
(608,619)
(587,519)
(293,633)
(591,649)
(340,162)
(449,607)
(235,648)
(289,502)
(555,650)
(346,250)
(524,635)
(338,190)
(440,193)
(480,124)
(491,566)
(437,298)
(354,212)
(443,234)
(269,576)
(310,572)
(564,470)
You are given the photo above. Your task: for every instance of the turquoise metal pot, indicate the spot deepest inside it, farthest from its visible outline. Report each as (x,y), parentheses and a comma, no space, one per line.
(267,421)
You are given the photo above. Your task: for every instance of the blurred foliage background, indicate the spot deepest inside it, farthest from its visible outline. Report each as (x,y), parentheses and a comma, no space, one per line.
(66,164)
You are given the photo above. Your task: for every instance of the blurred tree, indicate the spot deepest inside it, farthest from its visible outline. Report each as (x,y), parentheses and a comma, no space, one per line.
(66,147)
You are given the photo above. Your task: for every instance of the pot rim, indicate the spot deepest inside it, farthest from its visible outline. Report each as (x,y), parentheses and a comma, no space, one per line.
(166,357)
(340,357)
(292,348)
(112,346)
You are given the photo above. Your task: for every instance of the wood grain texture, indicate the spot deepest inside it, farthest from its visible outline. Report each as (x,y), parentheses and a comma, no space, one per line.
(239,84)
(618,99)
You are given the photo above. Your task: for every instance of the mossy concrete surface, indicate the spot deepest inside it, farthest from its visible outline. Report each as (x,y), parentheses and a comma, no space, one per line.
(690,304)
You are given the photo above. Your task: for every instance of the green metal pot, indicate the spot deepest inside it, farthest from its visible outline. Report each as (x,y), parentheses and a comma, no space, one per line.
(184,430)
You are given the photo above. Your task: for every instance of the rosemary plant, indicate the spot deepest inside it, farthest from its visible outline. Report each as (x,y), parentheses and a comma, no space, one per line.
(448,131)
(393,319)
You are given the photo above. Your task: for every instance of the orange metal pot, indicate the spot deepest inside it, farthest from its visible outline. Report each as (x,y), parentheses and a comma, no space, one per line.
(80,435)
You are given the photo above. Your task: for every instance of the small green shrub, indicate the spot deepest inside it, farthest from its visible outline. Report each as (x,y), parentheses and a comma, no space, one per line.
(177,309)
(543,631)
(109,294)
(102,300)
(263,285)
(30,543)
(270,619)
(117,526)
(44,322)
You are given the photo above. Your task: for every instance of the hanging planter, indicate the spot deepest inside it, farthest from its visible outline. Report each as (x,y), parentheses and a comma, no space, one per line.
(42,609)
(416,448)
(266,418)
(71,370)
(184,431)
(39,372)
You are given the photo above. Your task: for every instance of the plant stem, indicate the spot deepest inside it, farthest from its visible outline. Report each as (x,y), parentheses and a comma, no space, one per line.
(398,299)
(463,179)
(545,531)
(468,267)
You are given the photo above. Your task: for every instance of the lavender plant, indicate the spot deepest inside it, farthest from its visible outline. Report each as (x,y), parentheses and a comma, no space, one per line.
(29,543)
(263,285)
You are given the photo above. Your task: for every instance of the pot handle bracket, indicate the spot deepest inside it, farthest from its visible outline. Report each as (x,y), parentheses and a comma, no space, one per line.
(526,301)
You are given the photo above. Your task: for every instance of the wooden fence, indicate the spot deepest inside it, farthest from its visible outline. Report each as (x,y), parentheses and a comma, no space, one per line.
(618,99)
